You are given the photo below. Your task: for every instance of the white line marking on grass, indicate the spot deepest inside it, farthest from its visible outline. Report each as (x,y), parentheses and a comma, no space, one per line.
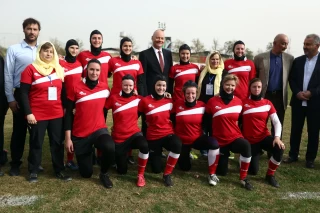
(302,195)
(9,200)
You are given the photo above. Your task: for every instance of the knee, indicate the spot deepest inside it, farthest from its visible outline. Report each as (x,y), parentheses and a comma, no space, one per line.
(108,146)
(213,143)
(176,145)
(143,148)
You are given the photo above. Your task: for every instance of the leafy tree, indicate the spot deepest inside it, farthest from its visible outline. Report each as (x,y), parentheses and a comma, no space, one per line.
(228,47)
(3,51)
(58,45)
(269,46)
(249,54)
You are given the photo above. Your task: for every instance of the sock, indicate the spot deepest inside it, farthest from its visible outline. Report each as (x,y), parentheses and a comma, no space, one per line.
(70,156)
(171,162)
(130,153)
(244,166)
(99,153)
(142,162)
(213,159)
(273,165)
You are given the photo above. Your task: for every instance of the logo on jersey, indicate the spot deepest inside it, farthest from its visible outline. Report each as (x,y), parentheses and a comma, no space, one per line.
(217,107)
(247,105)
(181,108)
(151,106)
(118,65)
(36,74)
(230,66)
(88,59)
(65,69)
(117,104)
(178,70)
(82,93)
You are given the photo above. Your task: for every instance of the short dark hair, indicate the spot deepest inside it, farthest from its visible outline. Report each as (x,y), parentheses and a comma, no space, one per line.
(189,84)
(128,77)
(254,80)
(46,46)
(29,21)
(94,60)
(160,78)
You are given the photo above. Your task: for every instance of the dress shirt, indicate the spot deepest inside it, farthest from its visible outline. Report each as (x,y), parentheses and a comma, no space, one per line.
(308,70)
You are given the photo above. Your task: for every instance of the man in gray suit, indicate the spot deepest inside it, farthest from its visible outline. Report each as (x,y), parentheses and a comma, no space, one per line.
(273,69)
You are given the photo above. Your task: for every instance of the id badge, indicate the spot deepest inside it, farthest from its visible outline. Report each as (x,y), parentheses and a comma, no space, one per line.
(52,94)
(209,89)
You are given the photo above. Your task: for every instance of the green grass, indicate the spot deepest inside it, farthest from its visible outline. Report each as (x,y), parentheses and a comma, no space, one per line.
(190,193)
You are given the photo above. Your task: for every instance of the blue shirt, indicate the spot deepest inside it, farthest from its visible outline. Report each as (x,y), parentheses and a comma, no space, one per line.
(275,73)
(308,70)
(18,57)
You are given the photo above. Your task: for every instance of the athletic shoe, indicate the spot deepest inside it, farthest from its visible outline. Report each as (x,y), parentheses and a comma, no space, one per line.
(167,180)
(141,181)
(105,180)
(33,178)
(14,171)
(246,184)
(193,156)
(213,180)
(71,165)
(231,156)
(272,181)
(130,160)
(63,177)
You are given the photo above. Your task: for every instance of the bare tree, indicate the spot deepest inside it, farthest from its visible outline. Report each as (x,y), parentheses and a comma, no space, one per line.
(215,44)
(80,42)
(197,46)
(58,45)
(269,46)
(176,45)
(134,44)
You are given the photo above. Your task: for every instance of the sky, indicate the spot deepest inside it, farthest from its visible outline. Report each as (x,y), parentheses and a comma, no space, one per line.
(254,22)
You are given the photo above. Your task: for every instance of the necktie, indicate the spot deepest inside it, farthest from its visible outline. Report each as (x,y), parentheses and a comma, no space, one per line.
(161,61)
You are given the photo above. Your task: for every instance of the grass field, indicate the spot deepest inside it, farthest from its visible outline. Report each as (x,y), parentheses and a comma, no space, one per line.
(191,192)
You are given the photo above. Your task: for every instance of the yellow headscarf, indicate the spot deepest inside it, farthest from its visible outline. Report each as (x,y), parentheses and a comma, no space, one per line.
(217,72)
(44,68)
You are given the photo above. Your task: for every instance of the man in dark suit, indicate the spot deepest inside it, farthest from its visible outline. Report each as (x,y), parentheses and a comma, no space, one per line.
(304,80)
(155,61)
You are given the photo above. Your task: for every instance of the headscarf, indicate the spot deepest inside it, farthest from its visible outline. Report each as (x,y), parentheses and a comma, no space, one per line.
(217,72)
(94,50)
(46,69)
(124,56)
(69,58)
(91,83)
(184,47)
(237,58)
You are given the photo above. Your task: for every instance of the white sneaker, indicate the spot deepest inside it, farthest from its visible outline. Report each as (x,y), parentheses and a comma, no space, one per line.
(213,180)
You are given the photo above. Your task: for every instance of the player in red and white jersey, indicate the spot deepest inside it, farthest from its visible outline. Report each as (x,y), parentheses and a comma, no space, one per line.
(255,114)
(72,75)
(124,65)
(189,115)
(243,68)
(181,73)
(125,130)
(87,127)
(160,133)
(95,51)
(225,110)
(41,86)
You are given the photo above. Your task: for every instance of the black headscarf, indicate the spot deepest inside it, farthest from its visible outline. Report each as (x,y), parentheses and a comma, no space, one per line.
(124,56)
(127,77)
(90,83)
(184,47)
(237,58)
(154,93)
(69,58)
(226,98)
(95,51)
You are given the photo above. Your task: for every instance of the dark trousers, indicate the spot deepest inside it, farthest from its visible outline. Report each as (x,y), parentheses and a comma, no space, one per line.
(267,145)
(171,143)
(240,145)
(136,141)
(277,101)
(104,143)
(202,143)
(19,132)
(3,111)
(37,133)
(298,115)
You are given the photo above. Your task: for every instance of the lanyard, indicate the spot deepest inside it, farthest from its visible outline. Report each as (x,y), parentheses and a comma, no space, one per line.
(210,78)
(50,79)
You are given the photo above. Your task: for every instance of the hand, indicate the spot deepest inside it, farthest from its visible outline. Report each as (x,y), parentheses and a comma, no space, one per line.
(14,106)
(167,95)
(135,92)
(69,145)
(133,57)
(279,143)
(307,94)
(31,119)
(74,111)
(202,67)
(301,96)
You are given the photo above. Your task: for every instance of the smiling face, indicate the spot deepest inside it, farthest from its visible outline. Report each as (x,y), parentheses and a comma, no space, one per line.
(229,86)
(184,55)
(280,44)
(158,39)
(239,50)
(190,94)
(127,86)
(96,40)
(160,87)
(214,61)
(93,71)
(127,47)
(310,47)
(73,50)
(46,55)
(255,88)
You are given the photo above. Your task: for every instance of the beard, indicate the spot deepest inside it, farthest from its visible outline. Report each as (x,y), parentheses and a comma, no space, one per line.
(30,38)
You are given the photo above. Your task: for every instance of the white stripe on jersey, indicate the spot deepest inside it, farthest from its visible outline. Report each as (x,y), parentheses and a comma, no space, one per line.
(240,69)
(234,109)
(101,94)
(189,71)
(53,76)
(162,108)
(129,105)
(74,71)
(104,59)
(264,108)
(195,111)
(128,67)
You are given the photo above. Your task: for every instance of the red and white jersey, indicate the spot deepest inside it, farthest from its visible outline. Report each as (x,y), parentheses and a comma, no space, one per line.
(255,115)
(181,74)
(157,114)
(188,121)
(104,57)
(72,73)
(245,71)
(41,107)
(120,68)
(89,105)
(125,116)
(224,119)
